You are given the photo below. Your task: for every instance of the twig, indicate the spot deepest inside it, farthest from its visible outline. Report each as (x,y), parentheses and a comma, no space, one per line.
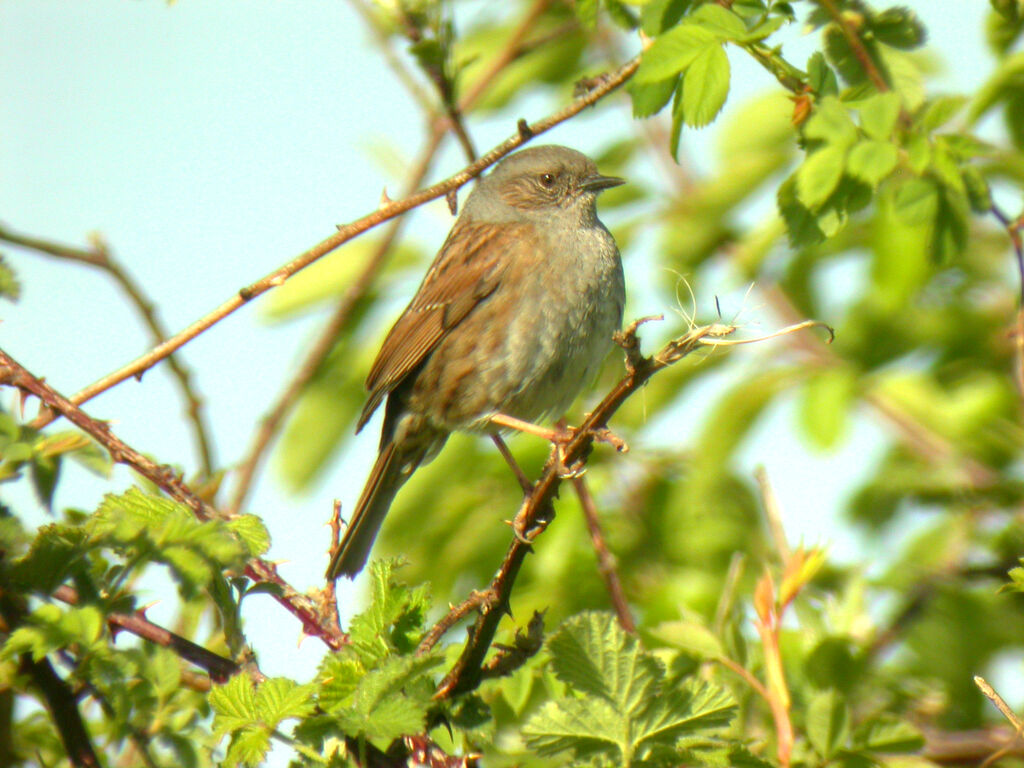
(218,667)
(1013,230)
(605,559)
(1000,703)
(301,606)
(857,46)
(100,257)
(1008,713)
(60,699)
(465,675)
(346,232)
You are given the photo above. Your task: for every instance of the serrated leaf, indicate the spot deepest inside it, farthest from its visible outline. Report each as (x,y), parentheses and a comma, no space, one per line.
(888,735)
(819,175)
(693,707)
(338,677)
(591,653)
(828,723)
(279,698)
(659,15)
(233,704)
(583,726)
(878,115)
(872,160)
(650,98)
(251,530)
(248,747)
(673,52)
(705,85)
(801,224)
(898,27)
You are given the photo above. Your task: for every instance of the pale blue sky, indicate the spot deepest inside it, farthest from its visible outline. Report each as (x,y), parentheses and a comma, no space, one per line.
(212,140)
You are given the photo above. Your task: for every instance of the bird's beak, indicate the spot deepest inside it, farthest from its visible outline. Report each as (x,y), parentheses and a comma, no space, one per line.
(598,183)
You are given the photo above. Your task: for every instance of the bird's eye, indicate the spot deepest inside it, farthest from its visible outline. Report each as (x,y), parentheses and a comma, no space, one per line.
(547,179)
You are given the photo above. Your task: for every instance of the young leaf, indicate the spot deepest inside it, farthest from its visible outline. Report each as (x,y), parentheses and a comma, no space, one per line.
(819,175)
(279,698)
(593,654)
(233,704)
(828,723)
(725,24)
(705,85)
(673,52)
(872,160)
(878,115)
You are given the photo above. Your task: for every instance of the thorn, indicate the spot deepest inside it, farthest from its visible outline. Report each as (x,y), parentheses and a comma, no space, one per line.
(385,201)
(452,198)
(525,131)
(718,308)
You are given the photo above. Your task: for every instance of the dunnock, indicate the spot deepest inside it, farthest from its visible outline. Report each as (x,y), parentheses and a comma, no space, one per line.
(514,317)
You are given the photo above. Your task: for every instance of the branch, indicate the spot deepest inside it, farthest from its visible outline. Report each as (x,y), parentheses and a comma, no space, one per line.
(857,46)
(602,87)
(60,699)
(313,622)
(218,667)
(99,256)
(537,509)
(605,559)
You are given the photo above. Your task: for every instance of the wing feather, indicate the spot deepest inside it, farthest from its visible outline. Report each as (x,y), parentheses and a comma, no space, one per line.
(468,269)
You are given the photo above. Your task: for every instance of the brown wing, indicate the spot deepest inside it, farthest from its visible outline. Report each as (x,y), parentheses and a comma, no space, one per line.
(468,268)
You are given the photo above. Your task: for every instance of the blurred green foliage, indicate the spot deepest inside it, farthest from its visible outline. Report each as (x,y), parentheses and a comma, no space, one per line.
(748,654)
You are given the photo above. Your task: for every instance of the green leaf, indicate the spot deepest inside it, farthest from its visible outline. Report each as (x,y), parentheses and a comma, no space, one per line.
(693,707)
(801,224)
(659,15)
(10,288)
(690,637)
(872,160)
(821,78)
(673,52)
(338,677)
(705,85)
(725,24)
(585,726)
(828,723)
(888,735)
(586,12)
(251,530)
(917,201)
(248,747)
(941,111)
(279,698)
(898,27)
(878,115)
(650,98)
(825,407)
(819,175)
(977,189)
(591,653)
(233,704)
(831,123)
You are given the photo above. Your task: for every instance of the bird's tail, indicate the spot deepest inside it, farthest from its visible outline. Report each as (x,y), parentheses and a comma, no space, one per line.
(388,475)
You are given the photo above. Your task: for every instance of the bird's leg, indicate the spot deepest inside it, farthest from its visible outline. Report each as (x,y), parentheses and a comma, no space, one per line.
(506,454)
(511,422)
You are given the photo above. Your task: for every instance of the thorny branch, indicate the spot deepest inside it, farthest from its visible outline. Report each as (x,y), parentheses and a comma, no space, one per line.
(99,256)
(537,509)
(602,86)
(302,607)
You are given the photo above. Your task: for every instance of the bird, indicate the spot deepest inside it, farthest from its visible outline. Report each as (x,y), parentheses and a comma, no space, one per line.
(514,317)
